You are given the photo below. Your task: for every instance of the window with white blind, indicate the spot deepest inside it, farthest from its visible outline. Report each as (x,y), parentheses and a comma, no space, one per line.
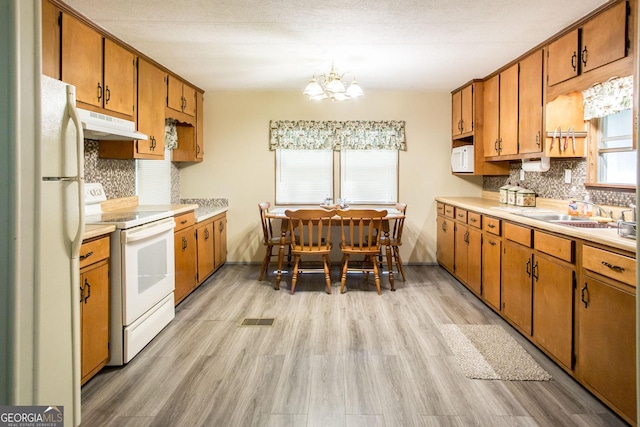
(303,176)
(369,176)
(153,180)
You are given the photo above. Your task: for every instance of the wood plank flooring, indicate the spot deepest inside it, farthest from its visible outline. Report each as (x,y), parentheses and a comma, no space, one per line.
(356,359)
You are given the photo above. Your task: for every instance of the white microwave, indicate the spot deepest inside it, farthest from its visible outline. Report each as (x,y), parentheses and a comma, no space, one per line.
(462,159)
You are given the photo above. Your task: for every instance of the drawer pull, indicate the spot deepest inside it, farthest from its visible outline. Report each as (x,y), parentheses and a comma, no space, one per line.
(491,225)
(460,216)
(473,220)
(616,268)
(85,256)
(491,242)
(184,221)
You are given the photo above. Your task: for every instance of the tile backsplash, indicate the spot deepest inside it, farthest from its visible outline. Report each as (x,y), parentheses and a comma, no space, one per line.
(551,185)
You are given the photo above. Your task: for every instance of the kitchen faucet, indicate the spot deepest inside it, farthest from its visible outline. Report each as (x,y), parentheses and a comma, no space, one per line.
(601,210)
(632,210)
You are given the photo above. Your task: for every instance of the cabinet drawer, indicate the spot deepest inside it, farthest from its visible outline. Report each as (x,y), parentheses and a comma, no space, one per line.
(558,247)
(474,219)
(185,220)
(610,264)
(461,215)
(440,208)
(449,211)
(94,251)
(518,234)
(491,225)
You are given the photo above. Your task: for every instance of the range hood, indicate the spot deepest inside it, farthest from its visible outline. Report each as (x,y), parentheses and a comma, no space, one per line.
(100,126)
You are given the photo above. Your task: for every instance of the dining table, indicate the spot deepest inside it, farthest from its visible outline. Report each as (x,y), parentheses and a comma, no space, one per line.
(278,212)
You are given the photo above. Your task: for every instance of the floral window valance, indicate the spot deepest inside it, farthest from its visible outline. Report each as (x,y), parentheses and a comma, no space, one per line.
(334,135)
(610,97)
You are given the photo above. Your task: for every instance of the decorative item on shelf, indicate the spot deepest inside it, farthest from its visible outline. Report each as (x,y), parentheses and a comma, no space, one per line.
(332,87)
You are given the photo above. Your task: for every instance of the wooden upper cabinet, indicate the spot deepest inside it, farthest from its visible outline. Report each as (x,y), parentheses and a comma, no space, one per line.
(531,103)
(462,111)
(85,55)
(501,113)
(604,38)
(600,41)
(180,96)
(509,111)
(50,40)
(118,78)
(491,109)
(562,58)
(151,108)
(82,60)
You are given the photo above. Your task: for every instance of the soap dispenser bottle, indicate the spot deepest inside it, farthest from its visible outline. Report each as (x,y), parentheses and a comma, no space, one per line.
(573,204)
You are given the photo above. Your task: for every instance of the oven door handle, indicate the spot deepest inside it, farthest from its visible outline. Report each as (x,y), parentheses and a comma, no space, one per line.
(150,232)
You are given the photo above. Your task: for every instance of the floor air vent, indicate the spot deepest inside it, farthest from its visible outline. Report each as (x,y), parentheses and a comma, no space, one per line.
(258,322)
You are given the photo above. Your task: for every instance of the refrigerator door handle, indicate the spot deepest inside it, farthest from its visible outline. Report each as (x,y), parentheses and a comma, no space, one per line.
(73,113)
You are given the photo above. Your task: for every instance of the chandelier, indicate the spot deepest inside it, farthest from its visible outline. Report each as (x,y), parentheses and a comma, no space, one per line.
(332,87)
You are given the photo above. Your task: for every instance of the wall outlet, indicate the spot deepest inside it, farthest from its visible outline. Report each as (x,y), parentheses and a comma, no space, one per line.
(567,176)
(521,174)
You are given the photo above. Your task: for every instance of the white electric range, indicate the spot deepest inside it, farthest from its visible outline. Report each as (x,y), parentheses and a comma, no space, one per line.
(141,274)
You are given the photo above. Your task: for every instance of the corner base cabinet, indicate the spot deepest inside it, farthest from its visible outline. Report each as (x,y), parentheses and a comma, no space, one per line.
(94,306)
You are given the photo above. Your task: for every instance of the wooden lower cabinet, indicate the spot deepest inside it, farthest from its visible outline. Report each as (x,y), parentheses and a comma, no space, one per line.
(94,306)
(517,265)
(491,260)
(204,238)
(468,257)
(445,242)
(184,242)
(211,237)
(606,357)
(220,241)
(552,308)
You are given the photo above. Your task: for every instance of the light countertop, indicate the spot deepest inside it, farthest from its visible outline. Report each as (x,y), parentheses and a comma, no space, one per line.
(205,212)
(96,230)
(490,207)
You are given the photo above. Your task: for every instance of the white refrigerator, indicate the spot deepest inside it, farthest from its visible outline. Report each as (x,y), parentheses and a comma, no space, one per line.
(60,226)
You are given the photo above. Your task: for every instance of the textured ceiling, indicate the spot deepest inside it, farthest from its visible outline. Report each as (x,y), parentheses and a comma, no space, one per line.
(427,45)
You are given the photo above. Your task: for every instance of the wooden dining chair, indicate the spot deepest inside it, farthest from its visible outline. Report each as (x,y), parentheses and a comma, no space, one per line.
(394,240)
(361,230)
(311,231)
(269,240)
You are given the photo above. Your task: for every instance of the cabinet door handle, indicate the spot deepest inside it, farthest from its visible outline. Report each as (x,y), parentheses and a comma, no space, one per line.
(466,237)
(574,58)
(108,93)
(99,91)
(81,293)
(538,139)
(499,145)
(495,145)
(206,234)
(197,148)
(526,267)
(584,292)
(85,256)
(492,243)
(534,271)
(583,56)
(88,286)
(184,243)
(221,226)
(444,226)
(615,268)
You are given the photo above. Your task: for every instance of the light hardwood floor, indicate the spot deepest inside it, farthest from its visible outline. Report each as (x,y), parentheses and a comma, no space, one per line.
(356,359)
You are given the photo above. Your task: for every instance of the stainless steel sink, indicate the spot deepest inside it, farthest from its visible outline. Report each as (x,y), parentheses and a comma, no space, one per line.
(550,216)
(569,220)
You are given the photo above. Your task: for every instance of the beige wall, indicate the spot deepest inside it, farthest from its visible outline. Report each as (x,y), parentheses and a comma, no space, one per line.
(239,166)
